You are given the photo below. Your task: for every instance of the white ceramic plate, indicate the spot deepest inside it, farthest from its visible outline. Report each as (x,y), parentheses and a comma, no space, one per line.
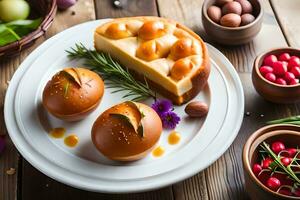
(203,141)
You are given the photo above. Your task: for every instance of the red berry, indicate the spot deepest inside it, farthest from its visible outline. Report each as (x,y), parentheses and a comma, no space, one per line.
(266,162)
(294,61)
(284,57)
(277,147)
(285,191)
(289,76)
(280,81)
(256,169)
(273,183)
(296,71)
(265,69)
(284,179)
(279,68)
(291,152)
(264,176)
(286,161)
(269,60)
(270,77)
(294,82)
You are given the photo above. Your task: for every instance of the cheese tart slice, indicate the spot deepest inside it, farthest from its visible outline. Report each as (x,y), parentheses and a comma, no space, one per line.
(173,59)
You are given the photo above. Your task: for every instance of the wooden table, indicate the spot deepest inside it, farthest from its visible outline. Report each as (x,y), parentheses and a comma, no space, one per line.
(222,180)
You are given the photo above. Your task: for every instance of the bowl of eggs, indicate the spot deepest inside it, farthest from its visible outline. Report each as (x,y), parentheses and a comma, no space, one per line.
(276,75)
(232,22)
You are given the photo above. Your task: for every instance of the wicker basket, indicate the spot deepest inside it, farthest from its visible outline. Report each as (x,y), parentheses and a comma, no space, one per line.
(39,8)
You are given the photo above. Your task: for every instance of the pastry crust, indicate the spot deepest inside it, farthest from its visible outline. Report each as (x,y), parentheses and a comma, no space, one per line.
(155,61)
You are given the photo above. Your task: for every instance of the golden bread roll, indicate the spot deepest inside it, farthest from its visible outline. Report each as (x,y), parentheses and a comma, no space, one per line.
(73,93)
(126,131)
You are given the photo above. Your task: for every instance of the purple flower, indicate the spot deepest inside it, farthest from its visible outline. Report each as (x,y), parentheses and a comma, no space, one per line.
(162,106)
(169,119)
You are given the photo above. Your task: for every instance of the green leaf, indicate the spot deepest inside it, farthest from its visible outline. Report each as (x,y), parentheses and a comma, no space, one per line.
(6,37)
(27,23)
(273,165)
(2,28)
(15,30)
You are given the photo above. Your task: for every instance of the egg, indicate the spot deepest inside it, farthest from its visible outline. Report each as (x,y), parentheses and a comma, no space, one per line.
(247,19)
(73,93)
(222,2)
(246,6)
(232,7)
(231,20)
(214,13)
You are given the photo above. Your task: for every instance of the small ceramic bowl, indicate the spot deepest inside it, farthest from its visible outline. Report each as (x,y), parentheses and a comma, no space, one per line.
(229,35)
(271,91)
(289,134)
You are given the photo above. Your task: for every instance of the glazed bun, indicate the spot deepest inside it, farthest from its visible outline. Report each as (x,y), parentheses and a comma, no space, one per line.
(73,93)
(126,131)
(184,47)
(181,68)
(148,51)
(117,31)
(151,30)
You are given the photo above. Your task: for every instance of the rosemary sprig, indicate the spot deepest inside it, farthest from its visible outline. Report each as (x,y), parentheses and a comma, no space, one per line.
(288,120)
(111,71)
(277,162)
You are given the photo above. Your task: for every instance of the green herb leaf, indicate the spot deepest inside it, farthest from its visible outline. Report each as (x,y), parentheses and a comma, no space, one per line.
(287,169)
(15,30)
(66,89)
(289,120)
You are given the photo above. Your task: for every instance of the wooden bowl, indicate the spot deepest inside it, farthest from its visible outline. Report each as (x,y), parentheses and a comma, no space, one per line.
(289,134)
(232,36)
(45,9)
(271,91)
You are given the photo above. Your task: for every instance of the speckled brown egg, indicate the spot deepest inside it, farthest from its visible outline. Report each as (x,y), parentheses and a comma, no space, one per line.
(247,19)
(231,20)
(214,13)
(232,7)
(246,6)
(73,93)
(222,2)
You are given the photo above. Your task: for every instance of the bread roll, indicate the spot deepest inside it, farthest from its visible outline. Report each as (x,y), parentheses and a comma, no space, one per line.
(126,131)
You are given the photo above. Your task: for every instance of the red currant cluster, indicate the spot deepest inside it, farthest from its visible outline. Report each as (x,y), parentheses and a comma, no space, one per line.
(275,178)
(283,69)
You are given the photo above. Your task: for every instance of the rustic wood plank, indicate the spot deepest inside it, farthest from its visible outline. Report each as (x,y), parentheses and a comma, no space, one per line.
(287,13)
(48,189)
(106,9)
(224,179)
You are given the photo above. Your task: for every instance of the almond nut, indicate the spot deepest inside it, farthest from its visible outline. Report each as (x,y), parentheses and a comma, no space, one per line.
(196,109)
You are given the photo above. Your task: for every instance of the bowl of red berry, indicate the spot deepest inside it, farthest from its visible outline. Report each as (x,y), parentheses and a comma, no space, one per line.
(271,161)
(276,75)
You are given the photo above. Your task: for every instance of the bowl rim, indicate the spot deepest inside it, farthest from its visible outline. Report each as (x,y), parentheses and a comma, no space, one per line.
(262,56)
(245,154)
(257,19)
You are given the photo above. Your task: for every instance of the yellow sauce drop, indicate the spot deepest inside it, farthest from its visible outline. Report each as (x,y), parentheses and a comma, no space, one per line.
(158,151)
(57,132)
(71,140)
(174,138)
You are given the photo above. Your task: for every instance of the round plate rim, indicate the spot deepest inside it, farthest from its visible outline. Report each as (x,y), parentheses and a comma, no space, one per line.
(232,72)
